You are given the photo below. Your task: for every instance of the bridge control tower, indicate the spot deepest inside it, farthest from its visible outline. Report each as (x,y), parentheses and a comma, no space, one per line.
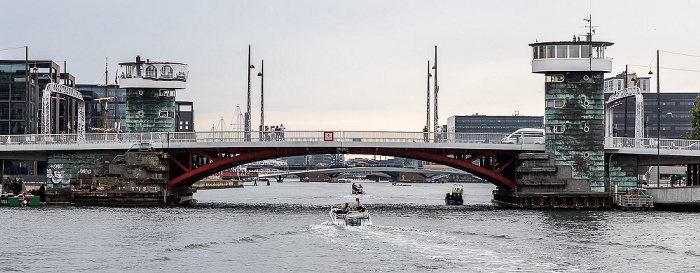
(150,94)
(574,114)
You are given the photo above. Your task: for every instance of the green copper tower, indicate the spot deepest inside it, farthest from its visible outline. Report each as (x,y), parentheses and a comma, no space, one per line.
(575,108)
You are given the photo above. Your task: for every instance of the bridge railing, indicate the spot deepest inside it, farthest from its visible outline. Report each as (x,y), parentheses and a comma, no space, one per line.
(345,136)
(652,143)
(253,136)
(317,136)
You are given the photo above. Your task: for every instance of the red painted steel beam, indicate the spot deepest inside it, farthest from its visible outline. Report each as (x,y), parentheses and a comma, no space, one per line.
(252,154)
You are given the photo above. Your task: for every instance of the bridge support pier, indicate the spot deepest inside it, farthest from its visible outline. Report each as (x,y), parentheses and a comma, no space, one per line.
(111,178)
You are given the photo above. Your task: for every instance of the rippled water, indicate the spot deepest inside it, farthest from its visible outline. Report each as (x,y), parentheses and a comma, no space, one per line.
(285,227)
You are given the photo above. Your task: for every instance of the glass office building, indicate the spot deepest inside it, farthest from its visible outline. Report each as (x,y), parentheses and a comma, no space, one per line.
(492,124)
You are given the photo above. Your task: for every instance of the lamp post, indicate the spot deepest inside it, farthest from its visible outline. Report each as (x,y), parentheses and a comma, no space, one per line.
(262,98)
(436,89)
(247,116)
(427,118)
(658,123)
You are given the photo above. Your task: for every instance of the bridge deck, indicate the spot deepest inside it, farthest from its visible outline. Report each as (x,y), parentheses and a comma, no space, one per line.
(338,139)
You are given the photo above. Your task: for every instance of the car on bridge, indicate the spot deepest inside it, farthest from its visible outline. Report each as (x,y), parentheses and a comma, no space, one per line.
(525,136)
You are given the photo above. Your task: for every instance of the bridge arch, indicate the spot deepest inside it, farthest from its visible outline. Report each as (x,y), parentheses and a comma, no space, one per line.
(187,166)
(52,88)
(614,100)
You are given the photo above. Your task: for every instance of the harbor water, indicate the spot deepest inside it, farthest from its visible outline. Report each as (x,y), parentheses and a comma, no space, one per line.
(285,227)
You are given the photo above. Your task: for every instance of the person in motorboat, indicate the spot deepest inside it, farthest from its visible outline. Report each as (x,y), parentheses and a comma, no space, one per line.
(358,205)
(340,210)
(347,208)
(360,190)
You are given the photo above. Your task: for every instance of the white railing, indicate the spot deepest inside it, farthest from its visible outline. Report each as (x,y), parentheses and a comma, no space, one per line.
(317,136)
(253,136)
(652,143)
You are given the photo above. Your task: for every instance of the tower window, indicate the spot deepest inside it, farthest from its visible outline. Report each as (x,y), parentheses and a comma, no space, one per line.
(166,93)
(150,72)
(166,114)
(167,72)
(561,51)
(573,51)
(555,129)
(555,103)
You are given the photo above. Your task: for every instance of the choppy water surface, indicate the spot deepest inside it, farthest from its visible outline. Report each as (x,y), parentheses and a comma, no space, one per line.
(285,227)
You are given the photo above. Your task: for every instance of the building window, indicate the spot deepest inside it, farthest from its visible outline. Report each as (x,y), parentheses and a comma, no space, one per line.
(554,78)
(150,72)
(166,93)
(534,52)
(573,51)
(551,51)
(555,103)
(555,129)
(585,51)
(167,72)
(561,51)
(166,114)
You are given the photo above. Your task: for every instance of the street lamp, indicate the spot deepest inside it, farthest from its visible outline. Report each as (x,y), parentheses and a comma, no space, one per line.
(658,123)
(262,98)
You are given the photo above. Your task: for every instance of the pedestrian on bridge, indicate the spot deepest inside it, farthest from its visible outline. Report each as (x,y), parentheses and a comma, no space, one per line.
(425,133)
(282,132)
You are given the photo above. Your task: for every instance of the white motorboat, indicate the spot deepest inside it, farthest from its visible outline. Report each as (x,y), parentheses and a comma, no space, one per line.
(352,218)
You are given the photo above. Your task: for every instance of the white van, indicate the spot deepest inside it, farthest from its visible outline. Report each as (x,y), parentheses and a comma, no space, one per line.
(525,136)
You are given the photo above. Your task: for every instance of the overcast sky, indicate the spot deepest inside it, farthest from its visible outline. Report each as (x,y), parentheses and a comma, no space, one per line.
(351,65)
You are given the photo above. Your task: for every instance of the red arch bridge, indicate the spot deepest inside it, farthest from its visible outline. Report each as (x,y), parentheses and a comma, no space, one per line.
(194,156)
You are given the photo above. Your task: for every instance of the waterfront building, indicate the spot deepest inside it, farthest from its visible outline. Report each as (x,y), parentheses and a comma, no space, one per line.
(675,115)
(675,109)
(185,116)
(616,83)
(574,114)
(105,107)
(21,87)
(492,124)
(150,94)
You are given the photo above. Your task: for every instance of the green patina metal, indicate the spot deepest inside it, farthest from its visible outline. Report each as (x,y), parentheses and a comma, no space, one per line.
(622,171)
(78,167)
(582,116)
(150,110)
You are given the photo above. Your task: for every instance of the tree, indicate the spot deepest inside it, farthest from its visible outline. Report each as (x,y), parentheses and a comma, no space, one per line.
(695,123)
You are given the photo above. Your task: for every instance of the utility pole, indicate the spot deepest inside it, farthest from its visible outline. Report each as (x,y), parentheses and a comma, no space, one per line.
(658,123)
(247,116)
(626,77)
(427,118)
(27,93)
(436,89)
(262,97)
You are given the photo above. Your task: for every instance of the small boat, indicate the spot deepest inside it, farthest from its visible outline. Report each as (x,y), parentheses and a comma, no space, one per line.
(357,189)
(455,197)
(351,218)
(634,199)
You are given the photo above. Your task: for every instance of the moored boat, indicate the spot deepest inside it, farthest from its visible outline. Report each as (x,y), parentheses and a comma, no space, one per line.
(634,199)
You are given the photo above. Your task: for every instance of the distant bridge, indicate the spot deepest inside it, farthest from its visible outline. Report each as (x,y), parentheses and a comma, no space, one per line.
(391,171)
(194,156)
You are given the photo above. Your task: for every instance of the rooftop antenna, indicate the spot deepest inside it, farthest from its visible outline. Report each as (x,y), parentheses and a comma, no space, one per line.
(589,38)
